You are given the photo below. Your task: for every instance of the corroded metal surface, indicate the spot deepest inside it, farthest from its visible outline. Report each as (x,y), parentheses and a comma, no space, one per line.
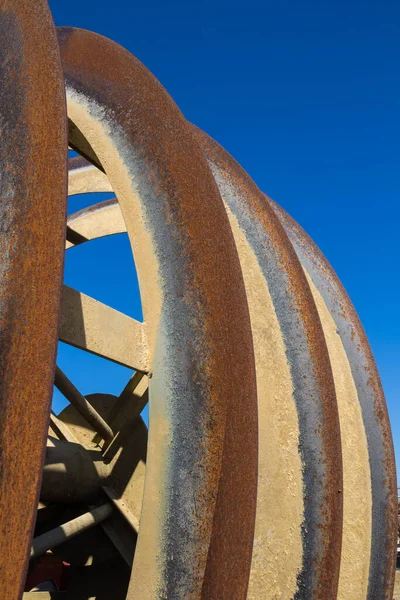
(33,155)
(313,393)
(288,524)
(268,471)
(372,403)
(200,446)
(359,529)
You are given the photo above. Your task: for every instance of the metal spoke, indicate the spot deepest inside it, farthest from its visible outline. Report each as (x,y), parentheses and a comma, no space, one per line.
(74,238)
(68,530)
(61,430)
(83,178)
(95,222)
(96,327)
(135,394)
(45,596)
(67,388)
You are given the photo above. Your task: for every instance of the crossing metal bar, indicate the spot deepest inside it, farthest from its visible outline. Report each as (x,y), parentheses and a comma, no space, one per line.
(67,388)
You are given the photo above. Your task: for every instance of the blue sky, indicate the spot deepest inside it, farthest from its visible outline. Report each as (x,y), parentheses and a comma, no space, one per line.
(305,95)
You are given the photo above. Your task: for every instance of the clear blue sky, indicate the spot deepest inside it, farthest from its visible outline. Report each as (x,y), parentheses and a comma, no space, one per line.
(305,95)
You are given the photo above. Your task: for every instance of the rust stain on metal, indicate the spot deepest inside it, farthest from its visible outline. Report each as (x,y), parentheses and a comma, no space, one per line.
(382,570)
(187,212)
(377,425)
(33,159)
(195,220)
(326,557)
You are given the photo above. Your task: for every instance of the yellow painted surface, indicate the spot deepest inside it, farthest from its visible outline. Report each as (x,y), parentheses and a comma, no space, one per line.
(277,546)
(99,136)
(145,581)
(357,499)
(91,325)
(87,179)
(97,224)
(277,552)
(396,591)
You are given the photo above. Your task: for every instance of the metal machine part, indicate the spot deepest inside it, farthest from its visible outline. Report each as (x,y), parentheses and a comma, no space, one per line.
(268,469)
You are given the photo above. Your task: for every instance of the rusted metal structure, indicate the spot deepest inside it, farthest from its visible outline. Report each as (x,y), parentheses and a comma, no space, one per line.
(268,469)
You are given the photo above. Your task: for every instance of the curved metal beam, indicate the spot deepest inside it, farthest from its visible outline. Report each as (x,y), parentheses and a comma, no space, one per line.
(365,430)
(195,308)
(368,459)
(373,408)
(32,217)
(286,522)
